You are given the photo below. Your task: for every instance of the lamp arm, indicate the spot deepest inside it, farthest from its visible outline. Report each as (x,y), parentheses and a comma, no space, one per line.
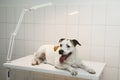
(13,35)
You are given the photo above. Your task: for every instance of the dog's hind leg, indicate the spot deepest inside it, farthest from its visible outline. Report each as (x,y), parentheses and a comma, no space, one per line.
(36,61)
(38,58)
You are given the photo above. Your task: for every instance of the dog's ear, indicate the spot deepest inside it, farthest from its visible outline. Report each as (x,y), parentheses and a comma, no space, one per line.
(56,47)
(75,42)
(61,39)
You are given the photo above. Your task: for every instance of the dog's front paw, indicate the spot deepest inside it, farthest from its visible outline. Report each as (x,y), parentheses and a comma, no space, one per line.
(74,72)
(91,71)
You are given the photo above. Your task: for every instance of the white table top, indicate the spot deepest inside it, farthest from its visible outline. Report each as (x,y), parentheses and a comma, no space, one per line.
(24,63)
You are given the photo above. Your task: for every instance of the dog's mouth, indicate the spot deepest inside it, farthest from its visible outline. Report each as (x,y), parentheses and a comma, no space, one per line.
(64,57)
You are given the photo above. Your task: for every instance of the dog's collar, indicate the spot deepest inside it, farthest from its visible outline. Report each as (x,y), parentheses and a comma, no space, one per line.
(64,57)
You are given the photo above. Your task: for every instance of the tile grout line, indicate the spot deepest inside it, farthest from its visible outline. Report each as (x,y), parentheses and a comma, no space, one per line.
(105,30)
(119,62)
(90,55)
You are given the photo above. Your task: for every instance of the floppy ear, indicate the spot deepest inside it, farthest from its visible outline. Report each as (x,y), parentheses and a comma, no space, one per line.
(75,42)
(61,39)
(56,47)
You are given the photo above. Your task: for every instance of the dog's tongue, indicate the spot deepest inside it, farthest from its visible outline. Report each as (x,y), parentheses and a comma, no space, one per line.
(62,58)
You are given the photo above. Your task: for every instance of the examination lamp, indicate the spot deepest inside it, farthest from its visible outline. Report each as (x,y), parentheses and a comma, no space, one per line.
(13,35)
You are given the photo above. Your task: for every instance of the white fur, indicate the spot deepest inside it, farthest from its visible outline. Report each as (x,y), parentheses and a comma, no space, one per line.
(52,57)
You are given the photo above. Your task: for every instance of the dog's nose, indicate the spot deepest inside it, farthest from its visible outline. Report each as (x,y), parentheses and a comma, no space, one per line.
(61,51)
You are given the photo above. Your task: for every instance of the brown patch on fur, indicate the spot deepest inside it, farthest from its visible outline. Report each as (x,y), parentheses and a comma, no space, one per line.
(38,60)
(56,47)
(42,57)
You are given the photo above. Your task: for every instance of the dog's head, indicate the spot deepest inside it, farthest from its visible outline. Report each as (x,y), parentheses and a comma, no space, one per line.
(66,46)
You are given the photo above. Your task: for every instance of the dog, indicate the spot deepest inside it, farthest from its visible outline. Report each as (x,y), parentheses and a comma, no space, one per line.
(61,56)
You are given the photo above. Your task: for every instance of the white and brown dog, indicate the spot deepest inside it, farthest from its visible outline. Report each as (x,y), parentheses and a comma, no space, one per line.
(62,56)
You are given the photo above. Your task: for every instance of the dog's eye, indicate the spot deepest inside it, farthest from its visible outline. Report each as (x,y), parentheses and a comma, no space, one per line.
(60,45)
(68,46)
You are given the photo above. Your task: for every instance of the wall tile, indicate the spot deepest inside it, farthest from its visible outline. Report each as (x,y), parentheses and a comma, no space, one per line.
(61,12)
(84,52)
(112,3)
(3,14)
(39,32)
(72,31)
(99,2)
(119,73)
(10,29)
(19,75)
(72,3)
(28,75)
(10,14)
(50,15)
(39,16)
(60,2)
(37,44)
(112,56)
(3,46)
(37,2)
(80,2)
(98,14)
(110,74)
(73,78)
(85,15)
(20,48)
(84,34)
(2,74)
(59,77)
(37,76)
(98,35)
(72,19)
(29,31)
(112,16)
(18,11)
(2,60)
(43,76)
(13,74)
(50,42)
(97,53)
(53,33)
(29,47)
(29,17)
(112,38)
(3,30)
(119,53)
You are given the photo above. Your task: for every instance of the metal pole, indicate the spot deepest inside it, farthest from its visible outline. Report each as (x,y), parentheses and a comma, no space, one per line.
(13,35)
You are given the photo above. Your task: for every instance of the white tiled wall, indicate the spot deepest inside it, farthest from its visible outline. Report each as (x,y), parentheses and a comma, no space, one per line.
(96,27)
